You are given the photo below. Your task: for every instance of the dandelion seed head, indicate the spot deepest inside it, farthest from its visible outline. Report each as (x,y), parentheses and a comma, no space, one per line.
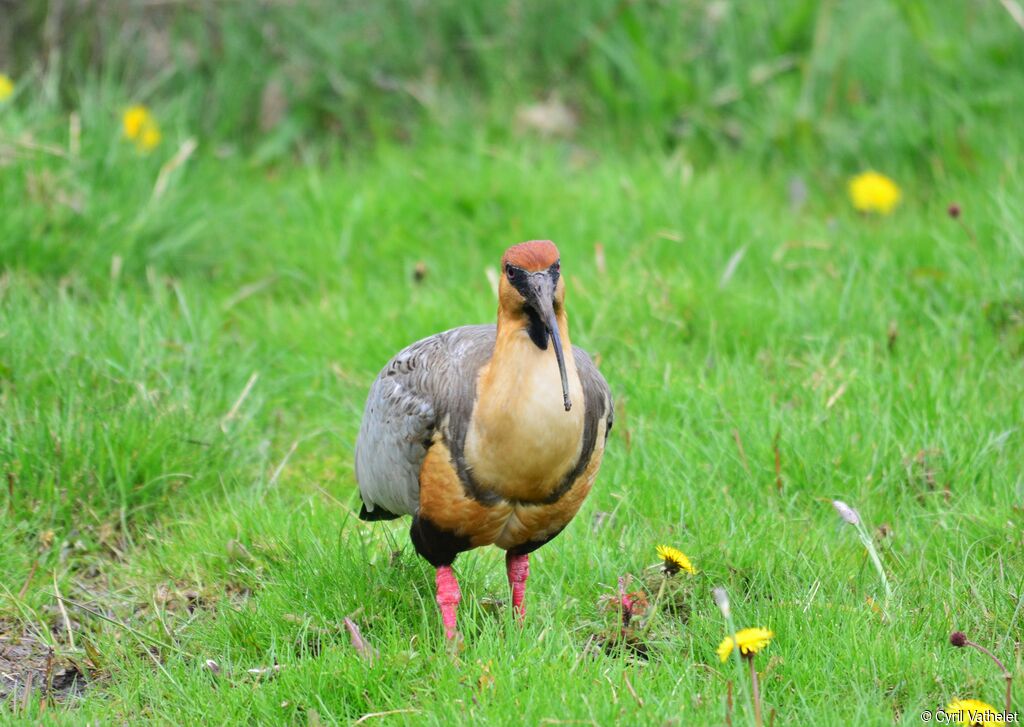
(847,513)
(722,601)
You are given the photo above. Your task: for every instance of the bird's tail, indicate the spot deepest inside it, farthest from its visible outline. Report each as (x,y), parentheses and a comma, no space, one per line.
(378,513)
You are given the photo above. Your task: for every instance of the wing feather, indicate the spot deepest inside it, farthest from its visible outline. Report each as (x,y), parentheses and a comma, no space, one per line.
(424,386)
(595,389)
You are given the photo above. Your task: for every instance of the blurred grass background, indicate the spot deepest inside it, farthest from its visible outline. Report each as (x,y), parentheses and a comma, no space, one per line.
(790,80)
(187,336)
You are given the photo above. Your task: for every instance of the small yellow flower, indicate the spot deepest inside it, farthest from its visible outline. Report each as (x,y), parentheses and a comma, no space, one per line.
(150,138)
(134,120)
(874,192)
(972,712)
(6,87)
(675,560)
(141,128)
(751,641)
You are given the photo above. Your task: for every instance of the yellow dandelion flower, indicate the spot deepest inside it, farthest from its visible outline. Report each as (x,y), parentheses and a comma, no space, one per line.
(6,87)
(874,192)
(972,712)
(751,641)
(135,119)
(140,127)
(675,560)
(150,138)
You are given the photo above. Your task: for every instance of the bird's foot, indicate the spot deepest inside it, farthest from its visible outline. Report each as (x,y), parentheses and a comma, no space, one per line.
(518,567)
(448,597)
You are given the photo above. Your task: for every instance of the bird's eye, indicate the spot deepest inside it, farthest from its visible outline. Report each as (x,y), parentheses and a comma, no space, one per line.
(509,272)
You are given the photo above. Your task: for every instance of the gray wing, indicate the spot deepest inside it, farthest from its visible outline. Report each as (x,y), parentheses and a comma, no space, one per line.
(597,398)
(422,385)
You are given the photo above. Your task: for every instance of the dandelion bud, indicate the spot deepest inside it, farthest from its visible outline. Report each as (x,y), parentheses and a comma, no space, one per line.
(847,513)
(954,210)
(958,638)
(722,601)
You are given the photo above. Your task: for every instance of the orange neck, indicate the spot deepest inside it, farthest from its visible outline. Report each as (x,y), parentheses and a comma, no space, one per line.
(522,441)
(513,331)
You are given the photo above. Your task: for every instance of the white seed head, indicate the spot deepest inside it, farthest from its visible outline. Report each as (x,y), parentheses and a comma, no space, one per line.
(722,600)
(847,513)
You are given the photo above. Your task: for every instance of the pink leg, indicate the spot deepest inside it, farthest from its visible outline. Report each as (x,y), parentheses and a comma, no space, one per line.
(518,570)
(448,597)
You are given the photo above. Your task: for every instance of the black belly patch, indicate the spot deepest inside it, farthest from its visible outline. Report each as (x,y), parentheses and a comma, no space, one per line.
(531,545)
(436,545)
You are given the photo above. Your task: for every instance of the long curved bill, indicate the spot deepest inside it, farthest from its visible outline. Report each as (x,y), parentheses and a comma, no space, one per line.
(556,341)
(540,292)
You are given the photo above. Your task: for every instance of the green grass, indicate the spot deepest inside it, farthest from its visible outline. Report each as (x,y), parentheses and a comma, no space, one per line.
(132,487)
(182,372)
(789,79)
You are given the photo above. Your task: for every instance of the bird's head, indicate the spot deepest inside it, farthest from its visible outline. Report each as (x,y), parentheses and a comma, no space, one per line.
(532,290)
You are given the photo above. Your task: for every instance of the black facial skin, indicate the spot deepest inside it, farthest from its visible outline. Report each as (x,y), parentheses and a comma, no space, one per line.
(538,291)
